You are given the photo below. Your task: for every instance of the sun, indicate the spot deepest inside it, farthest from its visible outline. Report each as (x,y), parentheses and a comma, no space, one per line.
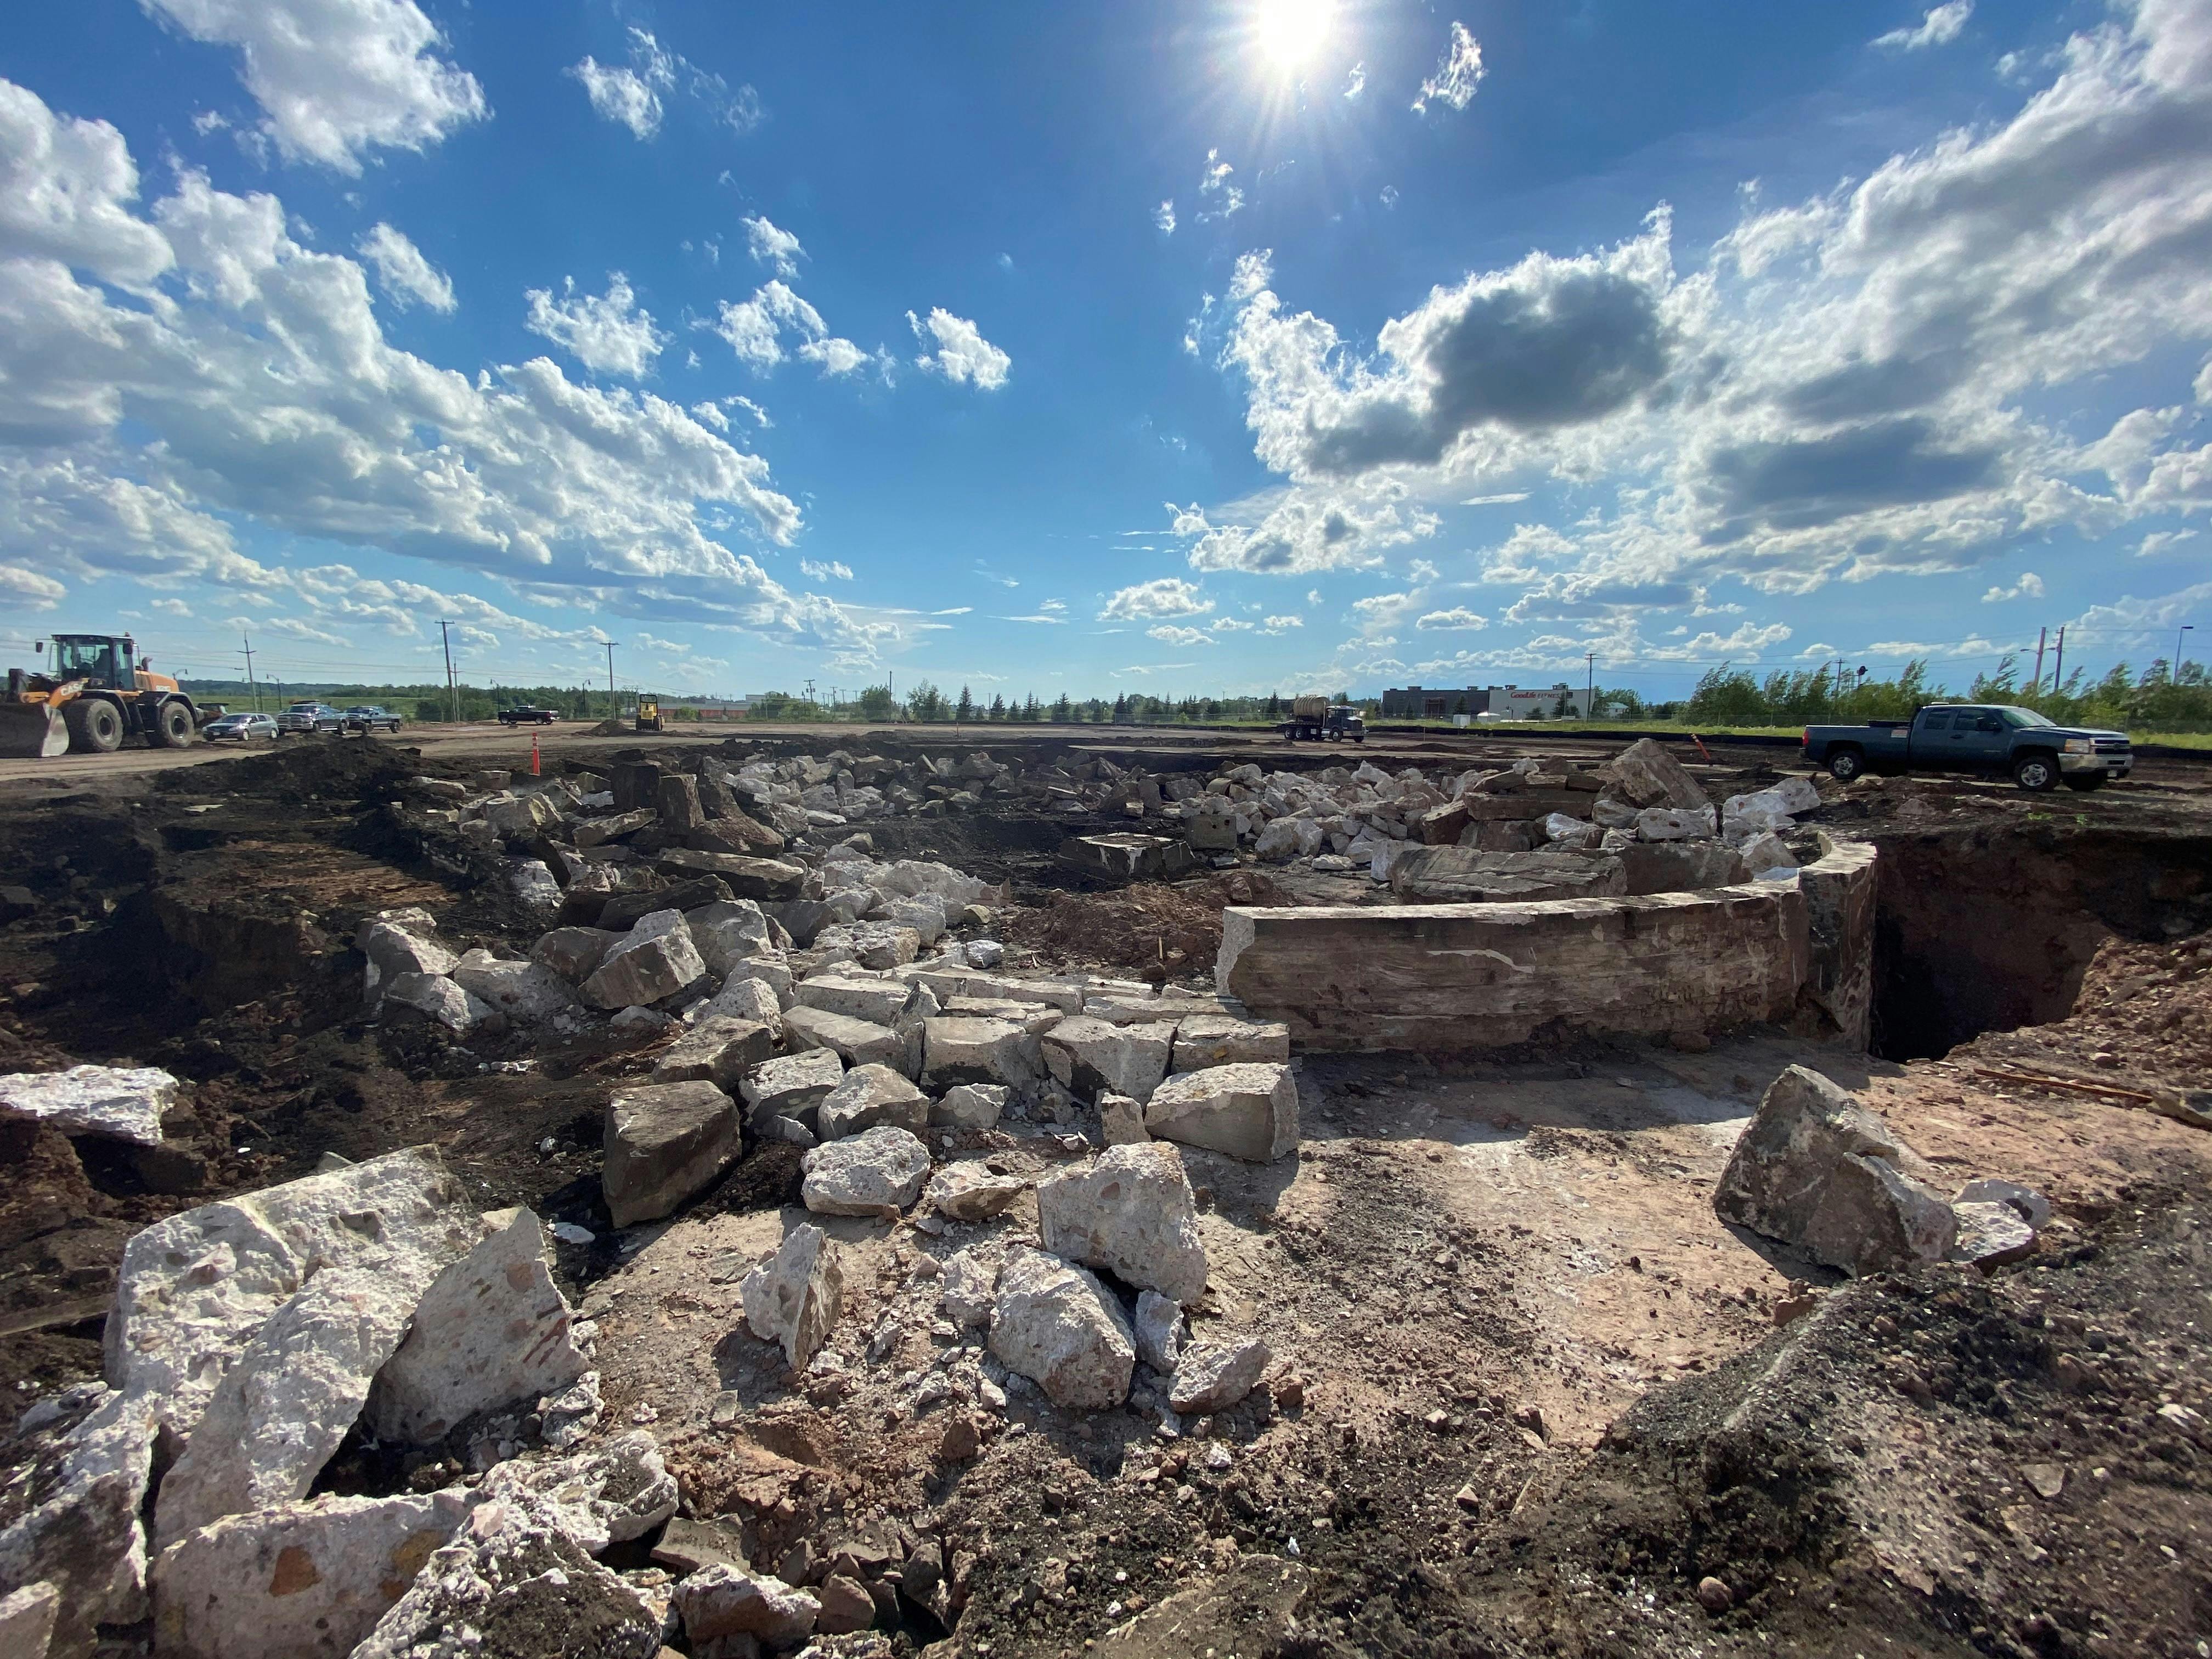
(1290,32)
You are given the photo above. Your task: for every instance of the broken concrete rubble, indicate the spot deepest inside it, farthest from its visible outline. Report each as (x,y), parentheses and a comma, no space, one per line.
(1091,1056)
(970,1106)
(1213,1373)
(722,1601)
(655,959)
(1132,1213)
(958,1049)
(1817,1170)
(719,1049)
(968,1191)
(1204,1040)
(791,1086)
(526,993)
(869,1095)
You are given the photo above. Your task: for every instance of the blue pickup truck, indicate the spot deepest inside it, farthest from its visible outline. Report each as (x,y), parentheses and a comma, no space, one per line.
(1974,738)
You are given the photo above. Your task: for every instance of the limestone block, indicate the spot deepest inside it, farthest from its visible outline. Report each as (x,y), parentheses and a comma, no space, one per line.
(572,952)
(747,877)
(1645,775)
(1764,852)
(968,1191)
(1210,825)
(2031,1206)
(1128,856)
(856,1042)
(289,1397)
(1461,875)
(1058,1325)
(527,992)
(616,1491)
(970,1106)
(883,1168)
(122,1103)
(1839,888)
(515,1581)
(878,944)
(1213,1373)
(665,1141)
(597,832)
(879,1002)
(493,1329)
(1132,1213)
(299,1579)
(398,942)
(968,1283)
(1816,1170)
(1441,826)
(724,1601)
(1681,866)
(677,798)
(790,1085)
(655,959)
(793,1298)
(923,913)
(719,1049)
(632,904)
(964,1050)
(1158,1327)
(1121,1120)
(771,971)
(1449,977)
(726,932)
(84,1536)
(1204,1040)
(437,998)
(1092,1057)
(1989,1235)
(746,998)
(869,1095)
(194,1288)
(1673,824)
(1248,1111)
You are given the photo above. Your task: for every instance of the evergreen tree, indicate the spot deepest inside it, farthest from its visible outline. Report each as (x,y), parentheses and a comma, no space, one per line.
(966,710)
(998,708)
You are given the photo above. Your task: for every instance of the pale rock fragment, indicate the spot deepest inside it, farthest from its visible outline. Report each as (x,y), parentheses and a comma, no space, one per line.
(1249,1111)
(122,1103)
(968,1191)
(794,1297)
(881,1169)
(1213,1373)
(1132,1213)
(1055,1324)
(655,959)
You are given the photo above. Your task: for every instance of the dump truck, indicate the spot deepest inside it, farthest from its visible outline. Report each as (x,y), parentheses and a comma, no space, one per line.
(1314,717)
(95,691)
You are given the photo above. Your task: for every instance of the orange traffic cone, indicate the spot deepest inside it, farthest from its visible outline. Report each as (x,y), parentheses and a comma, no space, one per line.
(533,754)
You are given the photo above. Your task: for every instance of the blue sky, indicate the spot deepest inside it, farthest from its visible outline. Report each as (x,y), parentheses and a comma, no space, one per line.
(1176,348)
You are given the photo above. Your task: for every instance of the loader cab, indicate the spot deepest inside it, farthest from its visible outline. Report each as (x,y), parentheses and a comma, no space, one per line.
(104,661)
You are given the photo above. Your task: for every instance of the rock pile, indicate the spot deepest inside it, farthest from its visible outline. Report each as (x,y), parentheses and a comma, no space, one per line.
(248,1337)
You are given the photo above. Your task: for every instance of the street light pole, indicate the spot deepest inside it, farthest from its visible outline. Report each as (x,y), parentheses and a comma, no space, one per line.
(2186,629)
(614,709)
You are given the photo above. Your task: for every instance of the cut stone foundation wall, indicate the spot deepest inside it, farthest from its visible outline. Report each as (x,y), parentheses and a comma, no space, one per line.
(1444,977)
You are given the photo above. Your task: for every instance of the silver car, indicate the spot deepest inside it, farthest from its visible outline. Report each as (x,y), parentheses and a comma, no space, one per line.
(241,728)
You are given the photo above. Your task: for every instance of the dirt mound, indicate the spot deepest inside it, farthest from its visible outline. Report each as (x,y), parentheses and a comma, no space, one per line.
(2145,1007)
(309,769)
(1155,931)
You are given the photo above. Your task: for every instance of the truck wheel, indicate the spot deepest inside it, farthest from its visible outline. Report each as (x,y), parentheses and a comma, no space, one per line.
(172,727)
(2084,783)
(2035,772)
(95,727)
(1845,764)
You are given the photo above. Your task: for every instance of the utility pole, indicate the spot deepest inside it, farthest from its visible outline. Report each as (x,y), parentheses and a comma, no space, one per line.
(2058,668)
(1589,685)
(248,654)
(453,701)
(2186,629)
(614,709)
(2036,685)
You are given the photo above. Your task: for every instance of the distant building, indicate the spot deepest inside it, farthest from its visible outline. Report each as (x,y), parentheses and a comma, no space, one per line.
(1504,703)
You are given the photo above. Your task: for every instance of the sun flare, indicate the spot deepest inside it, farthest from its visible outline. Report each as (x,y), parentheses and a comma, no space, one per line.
(1290,32)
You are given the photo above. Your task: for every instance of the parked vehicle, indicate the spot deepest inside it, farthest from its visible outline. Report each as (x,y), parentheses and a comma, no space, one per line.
(367,717)
(241,728)
(1315,717)
(1974,738)
(95,691)
(310,717)
(527,716)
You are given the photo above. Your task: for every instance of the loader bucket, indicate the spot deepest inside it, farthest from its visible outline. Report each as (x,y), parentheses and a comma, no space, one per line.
(32,731)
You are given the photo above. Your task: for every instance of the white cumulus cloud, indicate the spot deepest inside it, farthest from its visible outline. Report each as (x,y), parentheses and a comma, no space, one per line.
(826,570)
(1938,29)
(2029,586)
(1167,595)
(1175,635)
(337,79)
(407,277)
(609,332)
(963,354)
(778,250)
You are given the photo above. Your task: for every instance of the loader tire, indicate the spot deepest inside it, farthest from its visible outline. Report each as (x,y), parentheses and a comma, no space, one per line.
(172,727)
(95,726)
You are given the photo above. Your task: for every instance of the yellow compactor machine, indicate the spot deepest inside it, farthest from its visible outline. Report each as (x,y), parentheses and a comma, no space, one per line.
(94,691)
